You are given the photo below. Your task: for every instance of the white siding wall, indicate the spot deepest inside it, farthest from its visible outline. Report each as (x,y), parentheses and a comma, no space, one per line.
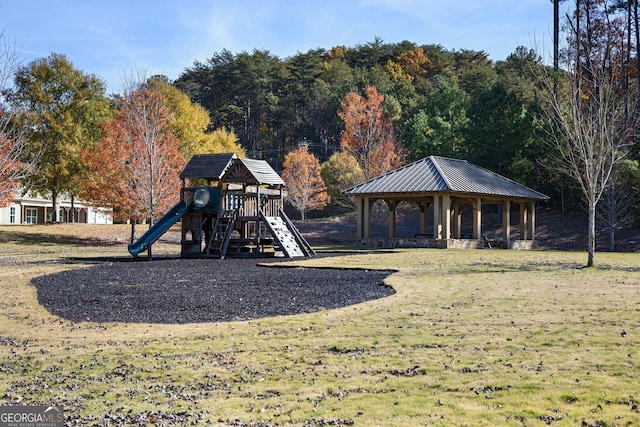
(85,212)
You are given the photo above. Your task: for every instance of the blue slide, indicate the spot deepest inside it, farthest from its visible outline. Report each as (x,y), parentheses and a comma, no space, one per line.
(159,228)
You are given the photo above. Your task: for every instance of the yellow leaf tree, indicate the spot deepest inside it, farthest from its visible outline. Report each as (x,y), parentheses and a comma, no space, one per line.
(223,141)
(190,123)
(340,173)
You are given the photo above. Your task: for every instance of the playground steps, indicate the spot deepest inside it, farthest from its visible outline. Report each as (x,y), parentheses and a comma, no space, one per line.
(287,236)
(219,242)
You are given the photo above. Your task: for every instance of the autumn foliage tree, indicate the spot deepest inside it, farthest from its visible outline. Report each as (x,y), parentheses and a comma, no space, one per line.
(340,173)
(137,164)
(15,160)
(10,168)
(368,134)
(62,107)
(306,190)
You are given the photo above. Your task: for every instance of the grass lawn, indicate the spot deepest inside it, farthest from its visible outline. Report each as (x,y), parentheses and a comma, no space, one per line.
(471,338)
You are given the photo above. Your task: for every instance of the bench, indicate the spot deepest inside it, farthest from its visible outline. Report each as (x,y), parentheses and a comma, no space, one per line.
(490,243)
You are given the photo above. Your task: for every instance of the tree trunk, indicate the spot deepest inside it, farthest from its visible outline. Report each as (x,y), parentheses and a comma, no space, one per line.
(636,22)
(54,202)
(562,196)
(133,230)
(591,239)
(612,240)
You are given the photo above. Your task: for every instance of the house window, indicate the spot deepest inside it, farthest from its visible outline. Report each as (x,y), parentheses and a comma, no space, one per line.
(12,215)
(31,216)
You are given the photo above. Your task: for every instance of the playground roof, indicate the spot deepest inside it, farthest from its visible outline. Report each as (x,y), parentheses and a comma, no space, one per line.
(254,172)
(228,167)
(208,166)
(436,174)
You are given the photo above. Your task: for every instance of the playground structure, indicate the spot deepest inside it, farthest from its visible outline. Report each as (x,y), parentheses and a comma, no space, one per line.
(229,207)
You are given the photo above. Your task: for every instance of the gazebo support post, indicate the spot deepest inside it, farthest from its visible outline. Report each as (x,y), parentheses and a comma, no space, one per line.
(359,218)
(364,217)
(456,224)
(506,222)
(531,223)
(392,204)
(524,216)
(368,208)
(445,216)
(477,218)
(437,213)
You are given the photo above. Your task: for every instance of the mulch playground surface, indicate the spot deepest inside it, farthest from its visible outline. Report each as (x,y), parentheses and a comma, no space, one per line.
(176,291)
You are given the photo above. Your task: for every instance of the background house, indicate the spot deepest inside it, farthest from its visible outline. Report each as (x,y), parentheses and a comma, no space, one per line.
(30,209)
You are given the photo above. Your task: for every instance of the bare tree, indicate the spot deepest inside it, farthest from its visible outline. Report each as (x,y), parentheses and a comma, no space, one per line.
(154,161)
(16,162)
(588,132)
(616,208)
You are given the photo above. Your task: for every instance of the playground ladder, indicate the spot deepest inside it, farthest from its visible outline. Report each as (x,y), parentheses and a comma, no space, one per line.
(286,234)
(219,242)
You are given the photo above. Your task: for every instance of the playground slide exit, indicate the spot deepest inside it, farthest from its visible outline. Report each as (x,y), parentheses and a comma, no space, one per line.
(159,228)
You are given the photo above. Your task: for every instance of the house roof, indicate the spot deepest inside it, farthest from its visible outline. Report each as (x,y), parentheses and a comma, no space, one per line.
(436,174)
(208,166)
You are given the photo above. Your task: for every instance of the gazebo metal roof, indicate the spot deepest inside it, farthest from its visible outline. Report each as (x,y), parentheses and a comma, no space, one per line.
(436,174)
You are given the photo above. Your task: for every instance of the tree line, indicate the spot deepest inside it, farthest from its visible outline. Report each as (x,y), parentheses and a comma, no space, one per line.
(435,102)
(431,101)
(357,111)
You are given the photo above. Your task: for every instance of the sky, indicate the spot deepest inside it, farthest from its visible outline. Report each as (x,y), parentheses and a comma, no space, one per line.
(118,40)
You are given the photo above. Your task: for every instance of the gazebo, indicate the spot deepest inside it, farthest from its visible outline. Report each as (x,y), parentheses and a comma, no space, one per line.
(446,186)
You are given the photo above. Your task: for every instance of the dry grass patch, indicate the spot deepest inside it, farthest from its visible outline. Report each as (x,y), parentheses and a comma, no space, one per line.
(470,338)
